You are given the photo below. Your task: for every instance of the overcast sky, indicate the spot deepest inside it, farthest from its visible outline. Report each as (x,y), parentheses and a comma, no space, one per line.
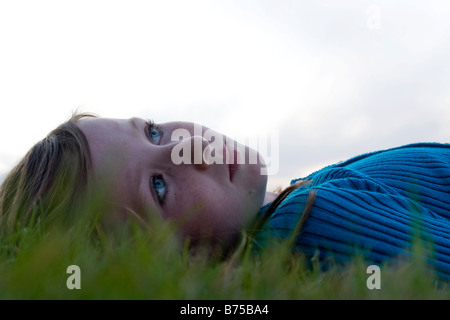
(333,79)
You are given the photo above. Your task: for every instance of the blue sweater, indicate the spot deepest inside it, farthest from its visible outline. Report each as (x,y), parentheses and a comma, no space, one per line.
(374,205)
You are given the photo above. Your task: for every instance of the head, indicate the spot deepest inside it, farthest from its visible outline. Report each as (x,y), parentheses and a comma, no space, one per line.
(179,171)
(147,172)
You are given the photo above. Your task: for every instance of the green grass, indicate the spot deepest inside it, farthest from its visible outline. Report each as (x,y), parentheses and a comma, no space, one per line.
(139,264)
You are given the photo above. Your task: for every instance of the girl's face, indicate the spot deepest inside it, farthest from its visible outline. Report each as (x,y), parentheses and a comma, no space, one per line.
(211,200)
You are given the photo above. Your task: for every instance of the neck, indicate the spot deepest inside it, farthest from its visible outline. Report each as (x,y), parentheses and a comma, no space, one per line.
(270,196)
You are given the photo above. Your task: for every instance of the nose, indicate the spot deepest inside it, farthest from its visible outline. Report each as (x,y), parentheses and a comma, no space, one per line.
(201,157)
(195,150)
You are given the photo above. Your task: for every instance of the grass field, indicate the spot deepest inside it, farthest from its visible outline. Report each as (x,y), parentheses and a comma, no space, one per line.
(151,265)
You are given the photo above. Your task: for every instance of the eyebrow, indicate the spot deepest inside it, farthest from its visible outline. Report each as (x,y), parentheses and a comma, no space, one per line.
(133,123)
(144,201)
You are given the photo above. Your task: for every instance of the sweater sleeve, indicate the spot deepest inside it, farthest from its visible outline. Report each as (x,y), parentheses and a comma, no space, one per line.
(376,207)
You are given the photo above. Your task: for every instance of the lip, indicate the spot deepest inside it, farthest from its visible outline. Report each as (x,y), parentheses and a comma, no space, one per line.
(231,160)
(232,168)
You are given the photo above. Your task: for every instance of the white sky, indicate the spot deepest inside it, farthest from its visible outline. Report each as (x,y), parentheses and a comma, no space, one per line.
(333,78)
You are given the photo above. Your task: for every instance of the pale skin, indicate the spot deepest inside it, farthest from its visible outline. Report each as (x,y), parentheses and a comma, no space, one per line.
(209,200)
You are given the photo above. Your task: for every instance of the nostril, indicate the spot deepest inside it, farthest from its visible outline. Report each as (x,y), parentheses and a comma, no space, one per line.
(201,152)
(207,157)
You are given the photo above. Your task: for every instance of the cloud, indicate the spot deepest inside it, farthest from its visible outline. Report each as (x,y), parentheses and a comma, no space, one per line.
(316,71)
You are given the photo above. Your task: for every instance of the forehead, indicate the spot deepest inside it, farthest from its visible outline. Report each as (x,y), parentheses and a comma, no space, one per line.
(112,168)
(98,128)
(96,131)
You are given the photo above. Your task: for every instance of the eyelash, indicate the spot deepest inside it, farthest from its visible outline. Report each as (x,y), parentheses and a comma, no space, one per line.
(150,124)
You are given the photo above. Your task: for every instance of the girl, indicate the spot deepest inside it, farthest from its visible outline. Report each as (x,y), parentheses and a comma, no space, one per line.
(375,204)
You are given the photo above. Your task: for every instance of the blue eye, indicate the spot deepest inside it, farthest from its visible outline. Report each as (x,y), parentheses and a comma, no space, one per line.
(160,188)
(154,132)
(155,135)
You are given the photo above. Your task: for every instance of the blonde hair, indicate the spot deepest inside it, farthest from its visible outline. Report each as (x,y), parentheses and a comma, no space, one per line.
(48,179)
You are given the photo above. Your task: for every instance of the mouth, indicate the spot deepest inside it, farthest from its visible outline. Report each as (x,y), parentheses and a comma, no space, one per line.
(232,168)
(231,160)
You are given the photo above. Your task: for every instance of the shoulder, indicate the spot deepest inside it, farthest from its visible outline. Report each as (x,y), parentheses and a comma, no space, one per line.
(414,150)
(411,157)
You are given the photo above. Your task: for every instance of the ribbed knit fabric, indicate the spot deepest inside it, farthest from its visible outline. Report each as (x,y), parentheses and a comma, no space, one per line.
(374,205)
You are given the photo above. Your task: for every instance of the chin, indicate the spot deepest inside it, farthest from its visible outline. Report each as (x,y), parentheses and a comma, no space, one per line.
(215,247)
(259,186)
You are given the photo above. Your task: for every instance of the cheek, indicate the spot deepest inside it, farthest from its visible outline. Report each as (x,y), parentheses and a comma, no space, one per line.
(208,213)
